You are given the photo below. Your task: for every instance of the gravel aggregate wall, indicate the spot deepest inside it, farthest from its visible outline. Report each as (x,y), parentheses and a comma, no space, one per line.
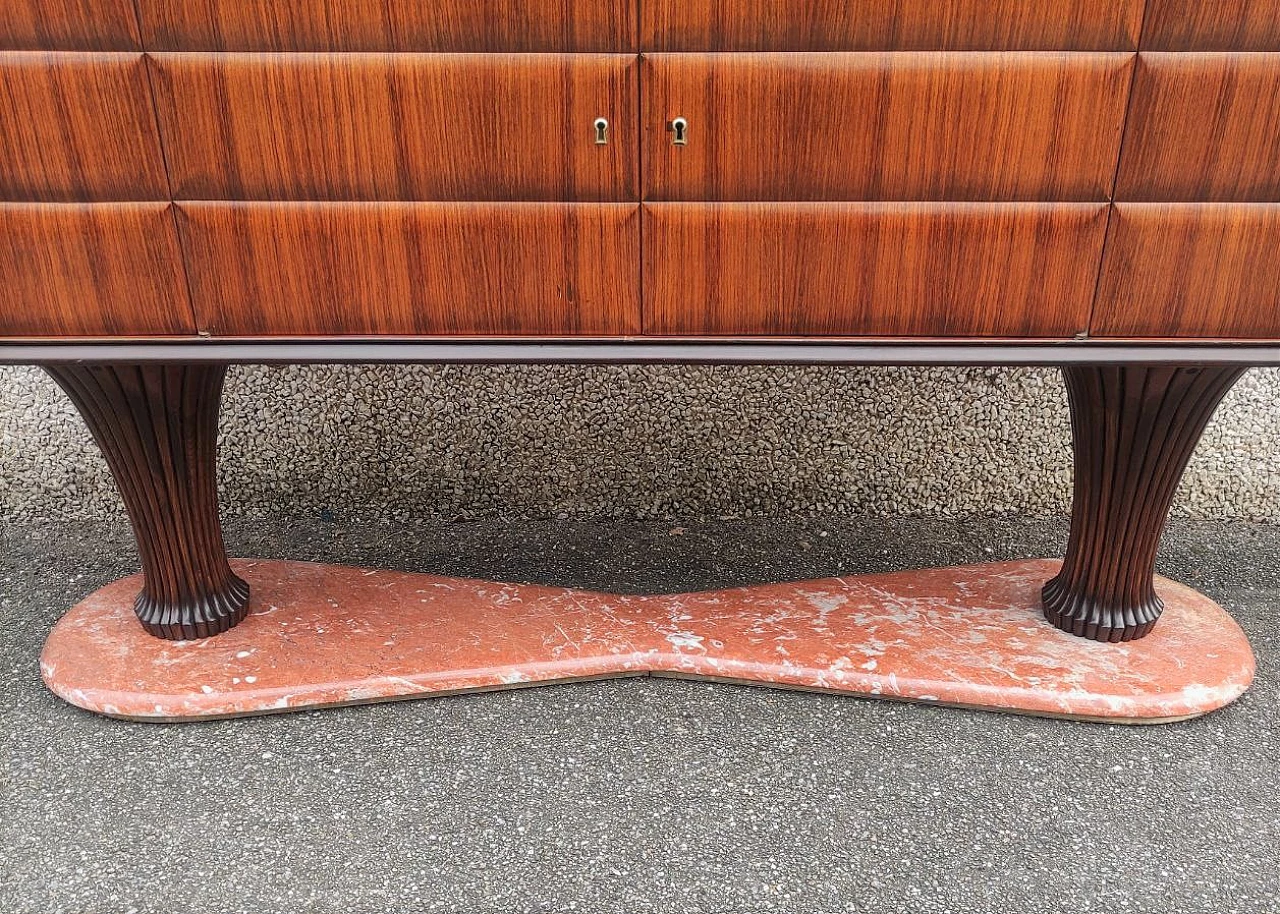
(634,441)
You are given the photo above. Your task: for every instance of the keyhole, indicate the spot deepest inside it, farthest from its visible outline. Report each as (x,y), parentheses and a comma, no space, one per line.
(602,132)
(680,129)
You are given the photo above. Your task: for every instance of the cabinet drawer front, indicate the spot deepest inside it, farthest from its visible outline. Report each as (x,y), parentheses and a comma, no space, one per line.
(91,270)
(398,126)
(302,269)
(1203,127)
(389,25)
(68,25)
(890,25)
(936,270)
(77,127)
(1212,25)
(949,126)
(1191,270)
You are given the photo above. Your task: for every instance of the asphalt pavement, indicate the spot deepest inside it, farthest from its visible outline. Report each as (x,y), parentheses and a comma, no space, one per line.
(640,795)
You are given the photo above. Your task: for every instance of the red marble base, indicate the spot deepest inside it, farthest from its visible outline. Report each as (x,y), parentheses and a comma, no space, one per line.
(322,635)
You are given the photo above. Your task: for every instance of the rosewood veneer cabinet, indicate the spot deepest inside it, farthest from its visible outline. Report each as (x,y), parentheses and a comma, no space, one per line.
(1094,184)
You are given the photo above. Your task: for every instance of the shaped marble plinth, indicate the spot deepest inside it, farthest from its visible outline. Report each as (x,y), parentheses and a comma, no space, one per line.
(321,635)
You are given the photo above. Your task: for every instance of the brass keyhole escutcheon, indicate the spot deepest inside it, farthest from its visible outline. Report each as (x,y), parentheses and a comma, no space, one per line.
(602,132)
(679,132)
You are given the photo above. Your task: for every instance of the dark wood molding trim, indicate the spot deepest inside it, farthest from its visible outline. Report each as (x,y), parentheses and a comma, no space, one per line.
(1134,429)
(644,351)
(157,426)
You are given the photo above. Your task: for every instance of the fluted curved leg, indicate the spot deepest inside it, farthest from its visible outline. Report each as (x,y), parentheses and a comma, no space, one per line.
(1134,429)
(157,425)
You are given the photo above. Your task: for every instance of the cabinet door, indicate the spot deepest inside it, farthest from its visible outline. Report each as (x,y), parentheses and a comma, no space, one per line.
(78,127)
(1212,25)
(305,269)
(389,25)
(68,25)
(398,126)
(909,126)
(107,269)
(904,269)
(1191,270)
(1203,127)
(892,25)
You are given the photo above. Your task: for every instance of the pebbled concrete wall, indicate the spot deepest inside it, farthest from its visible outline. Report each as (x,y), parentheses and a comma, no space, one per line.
(649,441)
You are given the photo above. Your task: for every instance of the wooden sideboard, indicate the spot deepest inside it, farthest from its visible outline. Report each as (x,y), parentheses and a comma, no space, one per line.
(1087,183)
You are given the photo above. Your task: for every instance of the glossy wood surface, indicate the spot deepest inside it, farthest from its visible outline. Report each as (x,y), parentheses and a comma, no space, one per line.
(68,25)
(1203,127)
(1188,270)
(1212,25)
(398,127)
(873,25)
(386,268)
(91,270)
(922,102)
(910,126)
(157,426)
(1134,428)
(389,25)
(871,269)
(77,127)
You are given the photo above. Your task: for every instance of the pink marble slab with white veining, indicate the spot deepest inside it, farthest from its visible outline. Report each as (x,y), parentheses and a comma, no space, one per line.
(323,635)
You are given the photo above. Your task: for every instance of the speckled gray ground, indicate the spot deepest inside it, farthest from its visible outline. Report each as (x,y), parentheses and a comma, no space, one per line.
(636,441)
(637,795)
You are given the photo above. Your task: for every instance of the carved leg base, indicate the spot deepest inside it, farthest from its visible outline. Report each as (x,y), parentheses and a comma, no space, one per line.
(157,426)
(1134,429)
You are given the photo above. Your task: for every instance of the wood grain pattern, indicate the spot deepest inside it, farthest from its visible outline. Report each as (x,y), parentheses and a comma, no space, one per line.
(398,127)
(405,269)
(91,270)
(1212,25)
(389,25)
(889,25)
(910,126)
(1134,428)
(1203,127)
(77,127)
(157,426)
(68,25)
(1191,270)
(871,269)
